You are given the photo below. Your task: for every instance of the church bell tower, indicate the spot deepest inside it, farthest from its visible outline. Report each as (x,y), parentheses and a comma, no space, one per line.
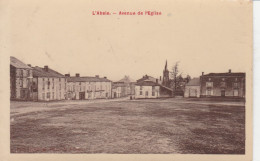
(165,81)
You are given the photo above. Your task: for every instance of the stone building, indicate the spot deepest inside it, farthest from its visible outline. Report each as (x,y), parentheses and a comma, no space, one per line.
(48,85)
(20,80)
(79,88)
(192,89)
(223,84)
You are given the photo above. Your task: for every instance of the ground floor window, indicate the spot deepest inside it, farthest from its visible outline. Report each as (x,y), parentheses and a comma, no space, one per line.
(153,93)
(141,92)
(48,95)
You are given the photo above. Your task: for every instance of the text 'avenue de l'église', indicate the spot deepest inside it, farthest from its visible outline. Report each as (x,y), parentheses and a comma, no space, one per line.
(139,13)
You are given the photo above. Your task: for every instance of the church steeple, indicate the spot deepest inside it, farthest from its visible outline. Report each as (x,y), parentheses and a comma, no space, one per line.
(166,81)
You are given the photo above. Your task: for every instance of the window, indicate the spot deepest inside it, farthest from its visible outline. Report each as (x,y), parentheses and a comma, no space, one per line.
(43,96)
(53,95)
(141,87)
(43,83)
(141,92)
(153,93)
(209,79)
(60,86)
(49,83)
(235,85)
(48,95)
(52,83)
(209,84)
(59,79)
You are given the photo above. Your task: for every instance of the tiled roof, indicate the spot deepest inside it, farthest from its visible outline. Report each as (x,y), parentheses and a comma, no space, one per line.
(226,74)
(18,64)
(194,82)
(40,72)
(147,77)
(147,83)
(87,79)
(126,79)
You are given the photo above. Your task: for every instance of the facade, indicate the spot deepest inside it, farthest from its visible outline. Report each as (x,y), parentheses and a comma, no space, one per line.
(223,84)
(126,86)
(48,85)
(80,88)
(192,89)
(147,89)
(20,80)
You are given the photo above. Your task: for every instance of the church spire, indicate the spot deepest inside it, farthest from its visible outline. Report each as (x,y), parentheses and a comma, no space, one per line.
(165,66)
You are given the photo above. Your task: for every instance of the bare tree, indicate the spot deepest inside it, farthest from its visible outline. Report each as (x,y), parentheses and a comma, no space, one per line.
(174,74)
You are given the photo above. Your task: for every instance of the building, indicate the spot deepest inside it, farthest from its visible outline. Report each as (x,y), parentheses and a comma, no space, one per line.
(147,89)
(166,79)
(223,84)
(48,84)
(20,80)
(79,88)
(126,86)
(192,89)
(150,87)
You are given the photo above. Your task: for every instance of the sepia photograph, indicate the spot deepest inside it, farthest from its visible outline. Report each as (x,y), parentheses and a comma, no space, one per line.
(133,77)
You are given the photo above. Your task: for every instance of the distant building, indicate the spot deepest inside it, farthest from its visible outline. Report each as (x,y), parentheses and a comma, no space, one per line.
(223,84)
(126,86)
(48,84)
(147,89)
(150,87)
(192,89)
(88,87)
(20,80)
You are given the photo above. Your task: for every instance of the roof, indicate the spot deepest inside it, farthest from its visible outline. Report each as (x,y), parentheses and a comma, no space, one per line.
(40,72)
(87,79)
(18,63)
(147,77)
(126,79)
(147,83)
(226,74)
(194,82)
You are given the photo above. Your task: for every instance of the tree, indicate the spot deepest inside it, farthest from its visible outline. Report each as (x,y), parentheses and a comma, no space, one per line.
(174,74)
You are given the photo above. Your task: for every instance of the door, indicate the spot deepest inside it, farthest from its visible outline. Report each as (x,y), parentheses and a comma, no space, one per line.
(235,92)
(146,94)
(81,95)
(223,93)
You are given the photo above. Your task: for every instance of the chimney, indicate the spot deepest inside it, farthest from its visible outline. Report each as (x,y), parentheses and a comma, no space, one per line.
(29,65)
(97,76)
(46,68)
(67,75)
(77,74)
(202,73)
(105,77)
(229,71)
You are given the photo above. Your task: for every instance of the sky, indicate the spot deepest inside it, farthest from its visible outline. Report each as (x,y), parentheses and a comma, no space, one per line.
(204,36)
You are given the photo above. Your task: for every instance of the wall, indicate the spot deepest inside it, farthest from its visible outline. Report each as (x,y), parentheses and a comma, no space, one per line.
(228,87)
(192,91)
(55,91)
(147,89)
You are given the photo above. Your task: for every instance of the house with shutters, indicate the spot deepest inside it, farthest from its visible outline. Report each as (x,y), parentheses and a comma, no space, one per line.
(20,80)
(80,88)
(48,84)
(222,84)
